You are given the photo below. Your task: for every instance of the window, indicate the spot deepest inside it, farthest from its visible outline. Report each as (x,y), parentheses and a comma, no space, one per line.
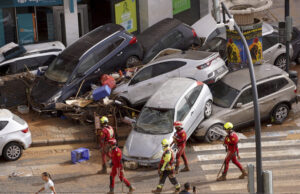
(119,41)
(223,94)
(183,109)
(269,41)
(193,95)
(3,124)
(294,34)
(270,87)
(245,97)
(22,65)
(153,51)
(165,67)
(173,38)
(143,75)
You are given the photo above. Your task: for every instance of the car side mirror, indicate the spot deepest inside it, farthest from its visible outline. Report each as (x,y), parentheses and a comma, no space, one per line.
(239,105)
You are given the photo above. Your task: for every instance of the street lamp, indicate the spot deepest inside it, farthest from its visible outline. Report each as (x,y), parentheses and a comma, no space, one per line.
(255,102)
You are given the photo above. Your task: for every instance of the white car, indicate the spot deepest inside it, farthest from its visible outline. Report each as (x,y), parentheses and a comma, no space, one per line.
(179,99)
(207,67)
(14,135)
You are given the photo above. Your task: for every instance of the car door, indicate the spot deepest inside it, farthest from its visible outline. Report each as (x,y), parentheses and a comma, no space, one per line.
(244,114)
(174,39)
(140,87)
(197,108)
(184,113)
(116,62)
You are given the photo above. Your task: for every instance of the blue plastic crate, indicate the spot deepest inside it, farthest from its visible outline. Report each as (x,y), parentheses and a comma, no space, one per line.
(101,92)
(80,155)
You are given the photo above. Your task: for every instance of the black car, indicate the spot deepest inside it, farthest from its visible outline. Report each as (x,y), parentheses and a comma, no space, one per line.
(296,44)
(168,33)
(106,49)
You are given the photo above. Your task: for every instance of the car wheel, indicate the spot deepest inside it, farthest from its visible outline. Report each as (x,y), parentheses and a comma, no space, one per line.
(208,109)
(211,135)
(280,113)
(281,62)
(132,61)
(12,151)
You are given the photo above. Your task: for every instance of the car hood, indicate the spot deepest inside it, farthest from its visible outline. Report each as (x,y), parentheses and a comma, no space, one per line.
(144,145)
(43,90)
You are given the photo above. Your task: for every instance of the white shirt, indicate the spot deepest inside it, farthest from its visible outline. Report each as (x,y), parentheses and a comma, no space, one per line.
(47,187)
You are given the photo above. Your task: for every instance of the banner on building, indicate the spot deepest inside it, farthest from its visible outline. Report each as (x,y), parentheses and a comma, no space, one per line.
(181,5)
(126,15)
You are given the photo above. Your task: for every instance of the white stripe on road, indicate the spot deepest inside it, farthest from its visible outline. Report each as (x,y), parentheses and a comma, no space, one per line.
(274,163)
(288,152)
(248,145)
(277,134)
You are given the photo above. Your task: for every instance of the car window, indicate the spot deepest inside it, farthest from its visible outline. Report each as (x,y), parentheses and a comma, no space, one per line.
(193,95)
(94,57)
(154,50)
(6,69)
(118,41)
(3,124)
(143,75)
(214,34)
(294,34)
(165,67)
(183,109)
(269,41)
(172,38)
(32,63)
(270,87)
(246,96)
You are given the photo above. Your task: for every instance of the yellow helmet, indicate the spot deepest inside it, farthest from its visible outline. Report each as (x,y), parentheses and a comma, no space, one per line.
(104,120)
(228,125)
(165,143)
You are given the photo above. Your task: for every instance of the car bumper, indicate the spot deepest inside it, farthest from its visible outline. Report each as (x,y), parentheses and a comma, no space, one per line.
(142,162)
(295,100)
(27,140)
(217,76)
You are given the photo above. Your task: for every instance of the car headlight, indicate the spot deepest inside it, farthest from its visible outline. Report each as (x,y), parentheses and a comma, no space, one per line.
(55,97)
(125,151)
(157,155)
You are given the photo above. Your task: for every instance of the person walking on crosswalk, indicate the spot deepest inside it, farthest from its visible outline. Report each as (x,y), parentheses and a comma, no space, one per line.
(231,145)
(166,168)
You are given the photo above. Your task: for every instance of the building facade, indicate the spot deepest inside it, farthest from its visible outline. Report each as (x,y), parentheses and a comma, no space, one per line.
(31,21)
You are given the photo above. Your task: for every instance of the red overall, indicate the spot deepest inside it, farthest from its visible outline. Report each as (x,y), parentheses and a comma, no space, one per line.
(106,134)
(231,142)
(117,168)
(180,139)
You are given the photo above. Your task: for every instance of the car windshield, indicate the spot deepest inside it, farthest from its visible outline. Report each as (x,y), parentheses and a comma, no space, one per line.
(155,121)
(212,45)
(61,68)
(223,94)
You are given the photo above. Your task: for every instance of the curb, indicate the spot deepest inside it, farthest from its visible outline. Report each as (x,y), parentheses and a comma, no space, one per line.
(62,141)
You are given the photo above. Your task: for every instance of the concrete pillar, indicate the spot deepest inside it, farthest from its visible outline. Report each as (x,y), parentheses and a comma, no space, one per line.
(251,188)
(71,21)
(268,182)
(152,11)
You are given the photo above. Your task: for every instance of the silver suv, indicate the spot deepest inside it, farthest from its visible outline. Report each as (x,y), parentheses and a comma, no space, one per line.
(232,97)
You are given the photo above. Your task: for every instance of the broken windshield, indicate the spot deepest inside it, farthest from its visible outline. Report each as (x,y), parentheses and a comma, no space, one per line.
(155,121)
(61,68)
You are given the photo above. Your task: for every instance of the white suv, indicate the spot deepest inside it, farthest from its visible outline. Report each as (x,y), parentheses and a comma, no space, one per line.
(14,135)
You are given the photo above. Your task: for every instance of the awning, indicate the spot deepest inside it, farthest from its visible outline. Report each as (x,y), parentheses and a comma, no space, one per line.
(25,3)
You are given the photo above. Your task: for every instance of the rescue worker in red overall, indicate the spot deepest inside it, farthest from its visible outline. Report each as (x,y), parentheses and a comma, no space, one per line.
(117,167)
(231,145)
(166,168)
(106,133)
(180,140)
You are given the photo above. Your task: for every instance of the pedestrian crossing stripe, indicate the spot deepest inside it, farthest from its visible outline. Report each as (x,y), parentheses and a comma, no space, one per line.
(248,145)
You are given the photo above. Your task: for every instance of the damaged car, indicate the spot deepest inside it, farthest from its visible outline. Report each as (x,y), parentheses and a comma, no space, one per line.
(233,102)
(179,99)
(106,49)
(198,65)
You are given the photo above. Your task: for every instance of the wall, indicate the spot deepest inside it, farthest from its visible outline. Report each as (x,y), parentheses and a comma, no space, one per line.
(71,22)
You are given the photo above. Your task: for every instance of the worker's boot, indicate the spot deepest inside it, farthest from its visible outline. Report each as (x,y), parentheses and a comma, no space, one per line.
(244,174)
(185,169)
(222,178)
(157,190)
(176,169)
(104,170)
(177,190)
(111,191)
(131,189)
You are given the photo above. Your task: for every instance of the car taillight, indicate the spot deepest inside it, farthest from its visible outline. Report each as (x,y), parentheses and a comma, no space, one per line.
(25,130)
(194,33)
(202,66)
(295,90)
(133,40)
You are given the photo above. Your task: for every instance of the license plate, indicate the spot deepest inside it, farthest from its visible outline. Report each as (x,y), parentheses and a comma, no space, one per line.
(143,164)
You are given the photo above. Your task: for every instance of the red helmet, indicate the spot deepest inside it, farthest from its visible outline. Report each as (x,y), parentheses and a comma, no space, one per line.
(112,142)
(177,124)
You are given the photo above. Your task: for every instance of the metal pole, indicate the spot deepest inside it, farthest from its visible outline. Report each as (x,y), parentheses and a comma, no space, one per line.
(251,187)
(259,181)
(287,44)
(268,182)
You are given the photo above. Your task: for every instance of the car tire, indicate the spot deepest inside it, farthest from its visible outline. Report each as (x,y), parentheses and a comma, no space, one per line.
(208,109)
(132,61)
(12,151)
(281,62)
(280,113)
(211,136)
